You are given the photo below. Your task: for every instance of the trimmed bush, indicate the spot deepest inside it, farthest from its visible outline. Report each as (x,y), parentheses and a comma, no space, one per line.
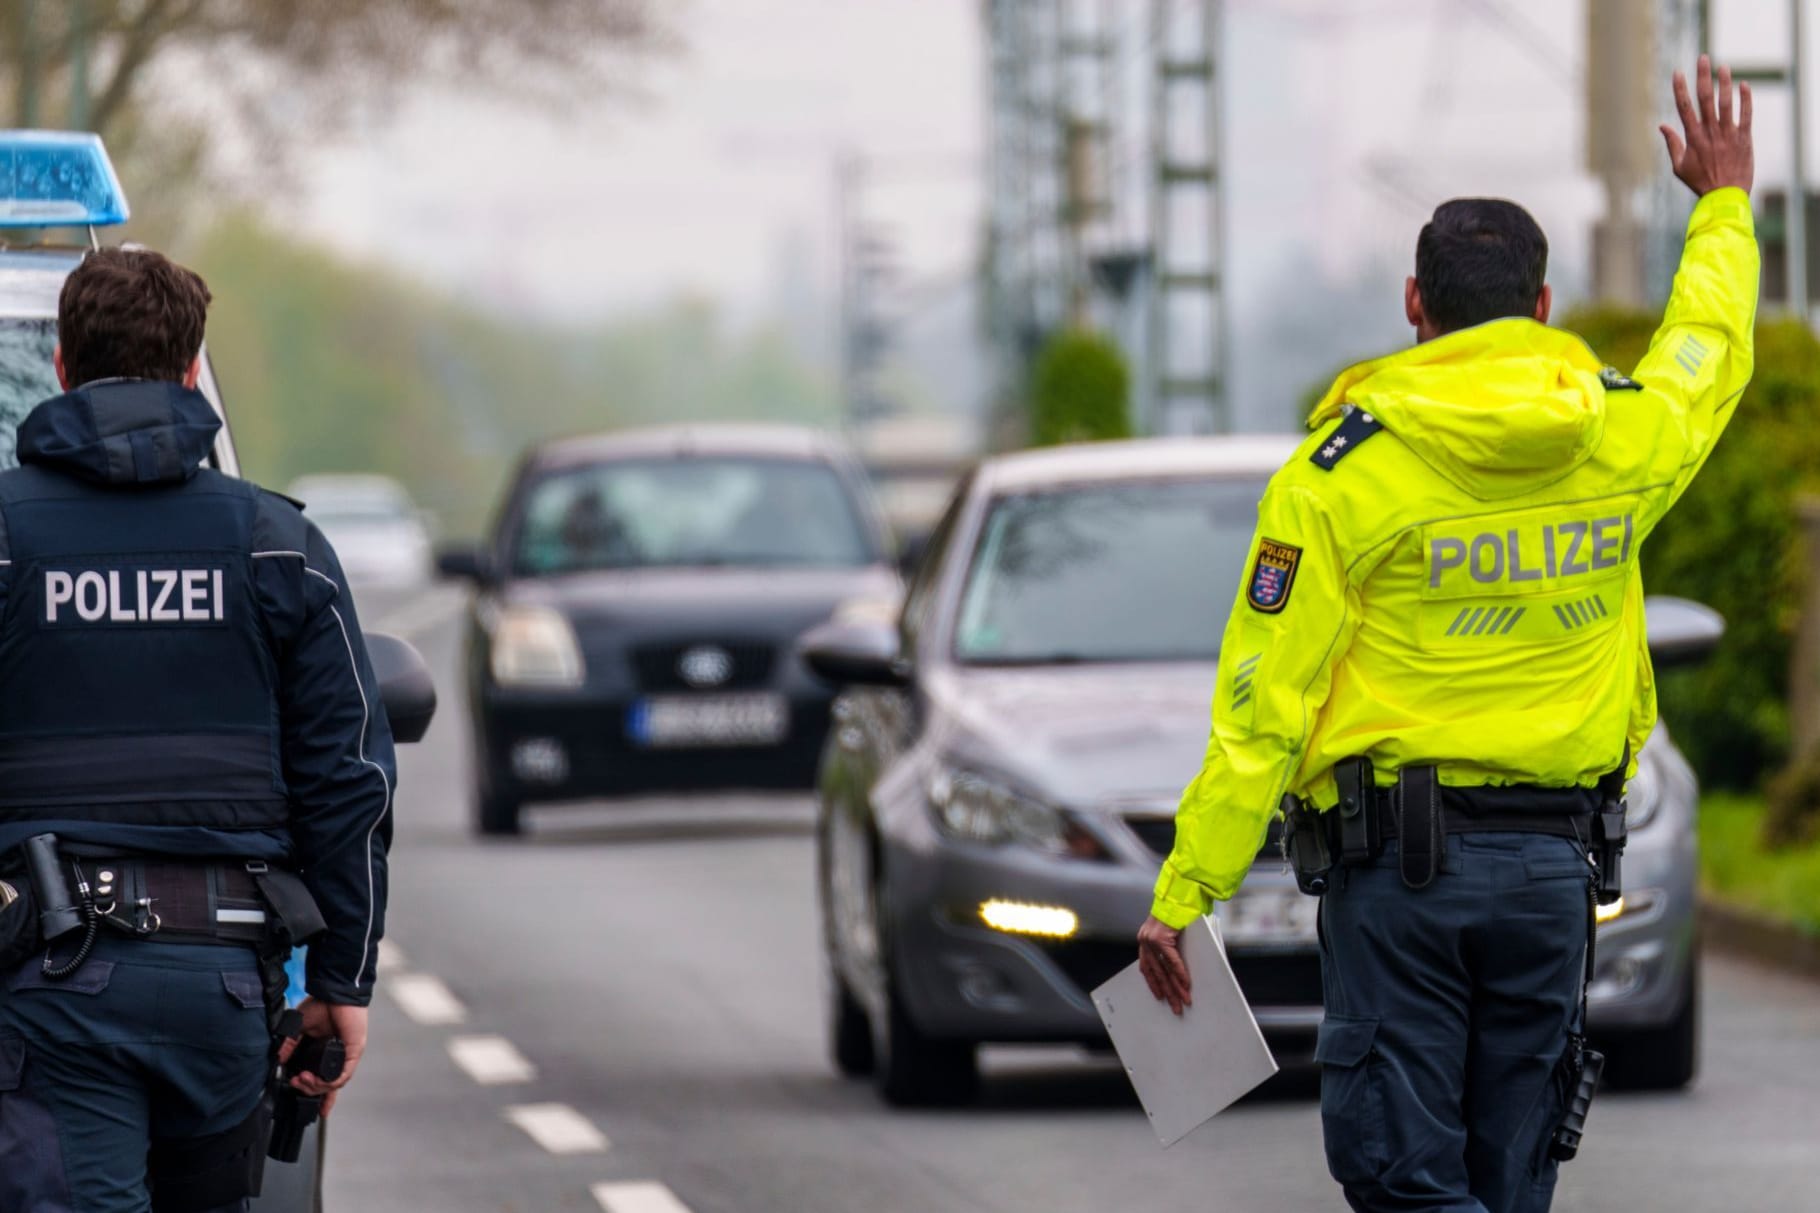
(1080,391)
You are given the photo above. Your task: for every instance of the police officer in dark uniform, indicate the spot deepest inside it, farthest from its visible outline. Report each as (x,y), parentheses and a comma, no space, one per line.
(1440,655)
(187,709)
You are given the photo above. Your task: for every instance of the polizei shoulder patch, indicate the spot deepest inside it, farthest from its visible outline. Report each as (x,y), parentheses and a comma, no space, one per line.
(1272,576)
(1354,429)
(1617,381)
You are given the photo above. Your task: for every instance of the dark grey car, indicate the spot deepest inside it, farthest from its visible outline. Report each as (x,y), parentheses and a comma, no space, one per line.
(999,786)
(637,608)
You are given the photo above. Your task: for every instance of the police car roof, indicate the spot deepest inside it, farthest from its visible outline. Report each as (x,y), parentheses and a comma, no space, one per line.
(1136,459)
(677,441)
(31,279)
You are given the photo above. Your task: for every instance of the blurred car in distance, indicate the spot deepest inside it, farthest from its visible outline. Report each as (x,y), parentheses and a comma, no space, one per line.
(378,533)
(637,610)
(1000,786)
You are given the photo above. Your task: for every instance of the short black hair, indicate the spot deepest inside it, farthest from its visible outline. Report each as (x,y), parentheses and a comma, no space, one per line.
(1479,259)
(130,314)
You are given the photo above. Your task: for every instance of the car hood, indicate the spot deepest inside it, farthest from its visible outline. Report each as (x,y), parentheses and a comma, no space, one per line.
(1083,735)
(763,601)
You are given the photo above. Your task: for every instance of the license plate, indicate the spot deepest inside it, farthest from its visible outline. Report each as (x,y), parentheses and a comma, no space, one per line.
(1269,916)
(682,721)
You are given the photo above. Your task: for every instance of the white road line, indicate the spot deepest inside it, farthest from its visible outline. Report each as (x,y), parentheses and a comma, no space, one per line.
(558,1128)
(643,1197)
(391,959)
(425,999)
(491,1061)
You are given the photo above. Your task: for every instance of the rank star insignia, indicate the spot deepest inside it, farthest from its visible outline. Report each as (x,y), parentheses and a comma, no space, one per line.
(1339,441)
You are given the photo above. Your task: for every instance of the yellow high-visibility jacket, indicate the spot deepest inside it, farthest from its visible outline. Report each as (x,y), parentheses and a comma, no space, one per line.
(1446,571)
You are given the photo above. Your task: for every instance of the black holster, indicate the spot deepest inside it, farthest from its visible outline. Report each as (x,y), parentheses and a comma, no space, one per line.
(1610,832)
(1361,829)
(1306,845)
(1421,826)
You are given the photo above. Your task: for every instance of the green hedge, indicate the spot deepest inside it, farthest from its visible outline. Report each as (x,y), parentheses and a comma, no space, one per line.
(1080,391)
(1732,544)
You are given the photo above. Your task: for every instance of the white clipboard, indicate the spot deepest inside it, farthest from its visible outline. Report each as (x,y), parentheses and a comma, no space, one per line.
(1188,1068)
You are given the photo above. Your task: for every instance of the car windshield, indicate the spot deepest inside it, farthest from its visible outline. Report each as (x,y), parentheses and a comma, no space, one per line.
(26,376)
(1102,573)
(690,512)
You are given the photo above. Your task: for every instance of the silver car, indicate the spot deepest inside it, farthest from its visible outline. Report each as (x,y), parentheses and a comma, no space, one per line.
(999,786)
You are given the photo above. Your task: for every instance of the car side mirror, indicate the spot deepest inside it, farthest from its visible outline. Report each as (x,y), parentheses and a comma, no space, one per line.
(911,549)
(1681,632)
(850,652)
(464,562)
(405,686)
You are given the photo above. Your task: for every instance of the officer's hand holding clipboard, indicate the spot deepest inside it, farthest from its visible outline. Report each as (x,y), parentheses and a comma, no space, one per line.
(1160,960)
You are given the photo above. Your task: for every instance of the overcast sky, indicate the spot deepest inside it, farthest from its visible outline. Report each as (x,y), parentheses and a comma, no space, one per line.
(1346,121)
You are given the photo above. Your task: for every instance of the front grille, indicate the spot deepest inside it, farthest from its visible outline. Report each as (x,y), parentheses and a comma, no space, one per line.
(1158,833)
(656,665)
(1269,979)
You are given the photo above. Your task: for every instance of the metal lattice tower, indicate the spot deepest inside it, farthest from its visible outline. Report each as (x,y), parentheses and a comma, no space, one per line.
(1104,192)
(1186,362)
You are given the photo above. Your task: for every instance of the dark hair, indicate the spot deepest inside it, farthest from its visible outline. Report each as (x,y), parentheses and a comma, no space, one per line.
(1479,259)
(130,314)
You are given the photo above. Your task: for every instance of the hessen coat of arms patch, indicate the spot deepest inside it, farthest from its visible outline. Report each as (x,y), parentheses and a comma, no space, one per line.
(1272,576)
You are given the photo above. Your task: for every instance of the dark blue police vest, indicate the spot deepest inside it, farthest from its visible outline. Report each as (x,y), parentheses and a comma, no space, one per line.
(138,662)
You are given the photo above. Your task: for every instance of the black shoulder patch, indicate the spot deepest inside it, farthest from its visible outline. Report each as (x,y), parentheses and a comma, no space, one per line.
(1354,429)
(1617,381)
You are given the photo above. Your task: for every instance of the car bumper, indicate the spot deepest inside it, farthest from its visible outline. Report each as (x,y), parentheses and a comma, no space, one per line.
(574,749)
(964,979)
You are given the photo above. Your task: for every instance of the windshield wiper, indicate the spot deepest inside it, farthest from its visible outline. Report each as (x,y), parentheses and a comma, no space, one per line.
(1036,659)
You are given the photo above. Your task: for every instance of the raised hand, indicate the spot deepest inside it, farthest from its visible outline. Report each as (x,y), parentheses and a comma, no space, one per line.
(1714,150)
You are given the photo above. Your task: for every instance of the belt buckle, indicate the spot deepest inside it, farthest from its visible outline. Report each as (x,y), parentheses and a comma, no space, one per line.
(257,867)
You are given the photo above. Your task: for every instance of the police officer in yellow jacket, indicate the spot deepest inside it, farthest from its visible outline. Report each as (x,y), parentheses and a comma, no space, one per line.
(1441,632)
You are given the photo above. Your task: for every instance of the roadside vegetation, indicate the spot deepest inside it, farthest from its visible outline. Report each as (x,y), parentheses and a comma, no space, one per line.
(334,366)
(1736,868)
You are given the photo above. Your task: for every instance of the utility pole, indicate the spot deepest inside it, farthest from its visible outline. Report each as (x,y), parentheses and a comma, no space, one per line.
(26,14)
(1621,145)
(79,47)
(1184,371)
(1797,190)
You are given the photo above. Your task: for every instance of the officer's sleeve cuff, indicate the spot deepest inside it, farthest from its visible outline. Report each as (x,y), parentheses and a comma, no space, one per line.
(338,993)
(1727,205)
(1179,900)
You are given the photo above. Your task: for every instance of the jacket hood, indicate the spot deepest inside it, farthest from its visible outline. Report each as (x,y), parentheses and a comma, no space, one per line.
(1499,409)
(122,432)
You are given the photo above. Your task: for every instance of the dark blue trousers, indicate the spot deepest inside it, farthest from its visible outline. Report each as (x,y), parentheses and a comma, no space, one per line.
(1448,1010)
(148,1042)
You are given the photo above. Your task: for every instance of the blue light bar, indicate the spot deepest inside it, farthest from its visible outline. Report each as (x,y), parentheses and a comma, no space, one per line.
(58,179)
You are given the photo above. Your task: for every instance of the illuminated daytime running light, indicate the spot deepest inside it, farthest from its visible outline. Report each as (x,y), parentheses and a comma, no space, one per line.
(1021,918)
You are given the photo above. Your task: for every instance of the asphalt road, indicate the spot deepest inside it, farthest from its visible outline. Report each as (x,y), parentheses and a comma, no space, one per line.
(652,967)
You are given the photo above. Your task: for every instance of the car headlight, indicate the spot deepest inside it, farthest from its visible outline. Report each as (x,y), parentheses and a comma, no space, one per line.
(980,808)
(534,646)
(1642,796)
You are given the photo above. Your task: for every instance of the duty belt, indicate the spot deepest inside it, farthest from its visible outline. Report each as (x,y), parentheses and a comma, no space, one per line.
(188,902)
(1421,813)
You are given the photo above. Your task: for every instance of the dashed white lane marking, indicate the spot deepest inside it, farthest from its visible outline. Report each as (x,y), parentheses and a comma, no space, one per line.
(558,1128)
(491,1061)
(644,1197)
(391,959)
(425,999)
